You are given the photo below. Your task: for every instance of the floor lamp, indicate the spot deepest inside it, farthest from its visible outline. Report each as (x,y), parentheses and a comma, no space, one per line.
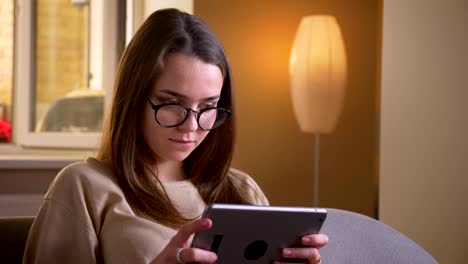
(318,79)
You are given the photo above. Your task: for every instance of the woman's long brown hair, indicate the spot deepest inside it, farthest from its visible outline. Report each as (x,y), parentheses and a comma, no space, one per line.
(164,32)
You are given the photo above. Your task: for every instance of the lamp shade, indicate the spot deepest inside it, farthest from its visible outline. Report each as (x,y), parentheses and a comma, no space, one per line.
(318,74)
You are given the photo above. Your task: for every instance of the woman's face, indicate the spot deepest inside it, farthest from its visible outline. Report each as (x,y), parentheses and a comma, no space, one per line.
(189,82)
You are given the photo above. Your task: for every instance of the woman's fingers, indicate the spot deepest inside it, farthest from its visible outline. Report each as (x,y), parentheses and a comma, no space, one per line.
(180,239)
(315,240)
(188,255)
(177,251)
(309,253)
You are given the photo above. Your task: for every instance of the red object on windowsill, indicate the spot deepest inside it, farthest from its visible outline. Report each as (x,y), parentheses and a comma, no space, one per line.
(5,131)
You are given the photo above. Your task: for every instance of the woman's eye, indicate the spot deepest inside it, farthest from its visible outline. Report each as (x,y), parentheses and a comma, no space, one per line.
(206,106)
(209,105)
(169,101)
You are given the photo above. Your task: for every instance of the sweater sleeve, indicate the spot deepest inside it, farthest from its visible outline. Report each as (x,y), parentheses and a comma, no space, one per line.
(57,235)
(63,230)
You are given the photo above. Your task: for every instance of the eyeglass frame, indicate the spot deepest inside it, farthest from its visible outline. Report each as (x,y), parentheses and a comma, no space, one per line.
(188,111)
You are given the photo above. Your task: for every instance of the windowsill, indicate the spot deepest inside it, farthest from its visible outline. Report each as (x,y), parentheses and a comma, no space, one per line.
(32,162)
(12,157)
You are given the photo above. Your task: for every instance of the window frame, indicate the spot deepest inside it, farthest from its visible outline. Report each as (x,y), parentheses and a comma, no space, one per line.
(24,76)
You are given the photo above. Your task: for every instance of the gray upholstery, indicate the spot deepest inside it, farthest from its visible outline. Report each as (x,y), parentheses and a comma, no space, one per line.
(13,235)
(356,238)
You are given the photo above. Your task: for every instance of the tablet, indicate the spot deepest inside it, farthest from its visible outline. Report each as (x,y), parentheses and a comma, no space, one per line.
(256,234)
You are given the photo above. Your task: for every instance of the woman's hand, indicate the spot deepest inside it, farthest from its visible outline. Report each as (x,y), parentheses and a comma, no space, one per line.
(310,252)
(177,250)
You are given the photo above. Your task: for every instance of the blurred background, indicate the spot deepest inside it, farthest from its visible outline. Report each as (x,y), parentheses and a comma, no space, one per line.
(398,151)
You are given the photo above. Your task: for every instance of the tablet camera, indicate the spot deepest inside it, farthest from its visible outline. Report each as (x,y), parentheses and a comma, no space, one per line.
(255,250)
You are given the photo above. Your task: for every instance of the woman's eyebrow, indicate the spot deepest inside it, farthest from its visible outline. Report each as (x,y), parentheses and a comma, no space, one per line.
(184,97)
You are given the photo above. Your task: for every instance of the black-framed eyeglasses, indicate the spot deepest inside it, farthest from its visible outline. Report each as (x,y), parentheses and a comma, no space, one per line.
(173,114)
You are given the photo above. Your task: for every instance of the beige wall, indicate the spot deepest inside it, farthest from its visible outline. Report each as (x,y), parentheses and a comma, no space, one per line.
(424,124)
(258,37)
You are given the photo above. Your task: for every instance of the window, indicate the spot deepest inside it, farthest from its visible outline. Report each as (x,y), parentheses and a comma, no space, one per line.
(61,70)
(66,55)
(6,69)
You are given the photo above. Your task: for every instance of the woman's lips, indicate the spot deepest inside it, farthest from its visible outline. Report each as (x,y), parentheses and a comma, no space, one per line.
(182,141)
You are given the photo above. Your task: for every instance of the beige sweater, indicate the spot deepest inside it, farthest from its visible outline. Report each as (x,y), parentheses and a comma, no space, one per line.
(85,218)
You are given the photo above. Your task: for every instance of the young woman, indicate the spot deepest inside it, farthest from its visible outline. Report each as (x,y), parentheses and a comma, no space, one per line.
(165,154)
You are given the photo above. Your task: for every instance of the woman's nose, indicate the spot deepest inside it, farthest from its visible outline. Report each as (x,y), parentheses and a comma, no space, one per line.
(191,123)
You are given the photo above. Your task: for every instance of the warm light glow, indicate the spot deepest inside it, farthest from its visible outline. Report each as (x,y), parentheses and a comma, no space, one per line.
(318,74)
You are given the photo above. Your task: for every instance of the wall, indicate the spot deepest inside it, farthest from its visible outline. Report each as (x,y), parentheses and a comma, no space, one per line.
(25,179)
(258,37)
(424,125)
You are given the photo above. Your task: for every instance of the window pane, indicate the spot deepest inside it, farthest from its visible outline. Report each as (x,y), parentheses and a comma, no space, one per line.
(6,68)
(64,101)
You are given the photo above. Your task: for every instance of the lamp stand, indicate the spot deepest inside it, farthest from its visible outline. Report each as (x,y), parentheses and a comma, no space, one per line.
(316,168)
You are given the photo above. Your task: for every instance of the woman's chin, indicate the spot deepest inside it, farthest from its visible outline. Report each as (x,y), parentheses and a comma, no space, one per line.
(179,156)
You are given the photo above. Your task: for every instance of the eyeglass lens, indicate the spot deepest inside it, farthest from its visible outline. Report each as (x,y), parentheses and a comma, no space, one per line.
(173,115)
